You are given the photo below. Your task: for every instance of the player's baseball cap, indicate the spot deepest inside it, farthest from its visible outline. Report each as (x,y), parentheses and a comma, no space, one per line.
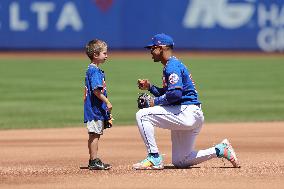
(161,40)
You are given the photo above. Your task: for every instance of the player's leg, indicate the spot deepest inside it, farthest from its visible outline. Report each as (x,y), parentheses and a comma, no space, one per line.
(183,154)
(226,150)
(146,129)
(185,117)
(222,150)
(183,141)
(147,119)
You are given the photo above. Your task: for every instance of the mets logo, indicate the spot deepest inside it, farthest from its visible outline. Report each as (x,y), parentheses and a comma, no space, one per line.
(173,79)
(104,5)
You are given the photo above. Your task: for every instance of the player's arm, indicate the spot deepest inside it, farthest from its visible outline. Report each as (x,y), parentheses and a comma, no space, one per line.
(103,98)
(174,88)
(170,97)
(144,84)
(156,91)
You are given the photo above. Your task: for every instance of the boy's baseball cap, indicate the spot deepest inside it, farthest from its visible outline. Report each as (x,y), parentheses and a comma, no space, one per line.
(161,40)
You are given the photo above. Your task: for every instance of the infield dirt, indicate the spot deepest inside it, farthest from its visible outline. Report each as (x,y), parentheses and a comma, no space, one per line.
(50,158)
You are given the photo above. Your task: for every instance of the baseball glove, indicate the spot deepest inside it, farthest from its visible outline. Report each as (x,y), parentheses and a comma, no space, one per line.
(144,100)
(108,123)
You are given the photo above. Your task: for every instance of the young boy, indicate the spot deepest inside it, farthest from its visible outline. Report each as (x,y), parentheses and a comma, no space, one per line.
(97,107)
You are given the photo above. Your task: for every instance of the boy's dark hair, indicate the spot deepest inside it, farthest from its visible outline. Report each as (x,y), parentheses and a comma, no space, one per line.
(95,47)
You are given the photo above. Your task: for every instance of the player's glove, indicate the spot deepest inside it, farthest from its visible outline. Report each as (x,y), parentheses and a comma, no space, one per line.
(108,123)
(144,100)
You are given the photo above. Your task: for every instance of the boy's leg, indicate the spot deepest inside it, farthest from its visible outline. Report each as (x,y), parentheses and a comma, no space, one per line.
(95,130)
(93,145)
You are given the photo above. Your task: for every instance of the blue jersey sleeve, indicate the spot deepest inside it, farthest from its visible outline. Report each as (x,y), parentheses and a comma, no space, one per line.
(173,78)
(169,97)
(96,79)
(156,91)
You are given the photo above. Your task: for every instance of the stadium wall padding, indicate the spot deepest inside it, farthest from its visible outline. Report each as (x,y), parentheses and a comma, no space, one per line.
(130,24)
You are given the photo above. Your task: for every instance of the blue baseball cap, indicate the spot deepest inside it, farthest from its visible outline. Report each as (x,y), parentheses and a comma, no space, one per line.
(161,40)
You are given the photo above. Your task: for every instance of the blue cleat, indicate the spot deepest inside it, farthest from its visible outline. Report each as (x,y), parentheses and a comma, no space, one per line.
(226,151)
(150,163)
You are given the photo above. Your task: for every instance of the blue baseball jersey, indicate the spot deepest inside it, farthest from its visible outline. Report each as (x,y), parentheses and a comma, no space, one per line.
(94,108)
(177,76)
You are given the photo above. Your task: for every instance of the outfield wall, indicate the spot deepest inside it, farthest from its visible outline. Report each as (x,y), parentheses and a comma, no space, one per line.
(129,24)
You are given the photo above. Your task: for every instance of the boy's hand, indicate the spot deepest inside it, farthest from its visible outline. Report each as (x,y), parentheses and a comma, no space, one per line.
(110,119)
(109,106)
(102,97)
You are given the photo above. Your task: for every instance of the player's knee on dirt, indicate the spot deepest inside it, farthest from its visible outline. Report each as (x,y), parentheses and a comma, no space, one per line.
(180,164)
(176,161)
(183,162)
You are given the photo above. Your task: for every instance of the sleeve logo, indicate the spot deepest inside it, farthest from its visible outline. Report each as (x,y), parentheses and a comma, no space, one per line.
(173,79)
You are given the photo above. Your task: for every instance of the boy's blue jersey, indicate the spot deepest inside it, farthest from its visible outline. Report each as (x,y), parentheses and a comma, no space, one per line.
(176,75)
(94,108)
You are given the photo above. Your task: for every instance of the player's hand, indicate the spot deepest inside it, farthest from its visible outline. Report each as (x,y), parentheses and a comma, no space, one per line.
(152,102)
(145,100)
(143,84)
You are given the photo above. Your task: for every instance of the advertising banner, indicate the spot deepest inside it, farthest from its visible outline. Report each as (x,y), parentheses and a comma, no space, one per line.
(130,24)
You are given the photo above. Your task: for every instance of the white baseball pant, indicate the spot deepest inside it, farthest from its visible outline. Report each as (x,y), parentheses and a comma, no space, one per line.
(185,123)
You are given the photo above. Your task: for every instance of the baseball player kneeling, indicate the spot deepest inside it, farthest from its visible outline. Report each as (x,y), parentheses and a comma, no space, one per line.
(176,107)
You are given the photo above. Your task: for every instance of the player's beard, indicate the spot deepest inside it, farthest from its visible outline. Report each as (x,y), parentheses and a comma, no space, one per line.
(157,58)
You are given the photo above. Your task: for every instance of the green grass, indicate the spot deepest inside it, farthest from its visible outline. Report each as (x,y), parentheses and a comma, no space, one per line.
(39,93)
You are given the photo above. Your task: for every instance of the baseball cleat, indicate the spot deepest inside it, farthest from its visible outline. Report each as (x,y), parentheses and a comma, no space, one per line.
(97,164)
(226,151)
(150,163)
